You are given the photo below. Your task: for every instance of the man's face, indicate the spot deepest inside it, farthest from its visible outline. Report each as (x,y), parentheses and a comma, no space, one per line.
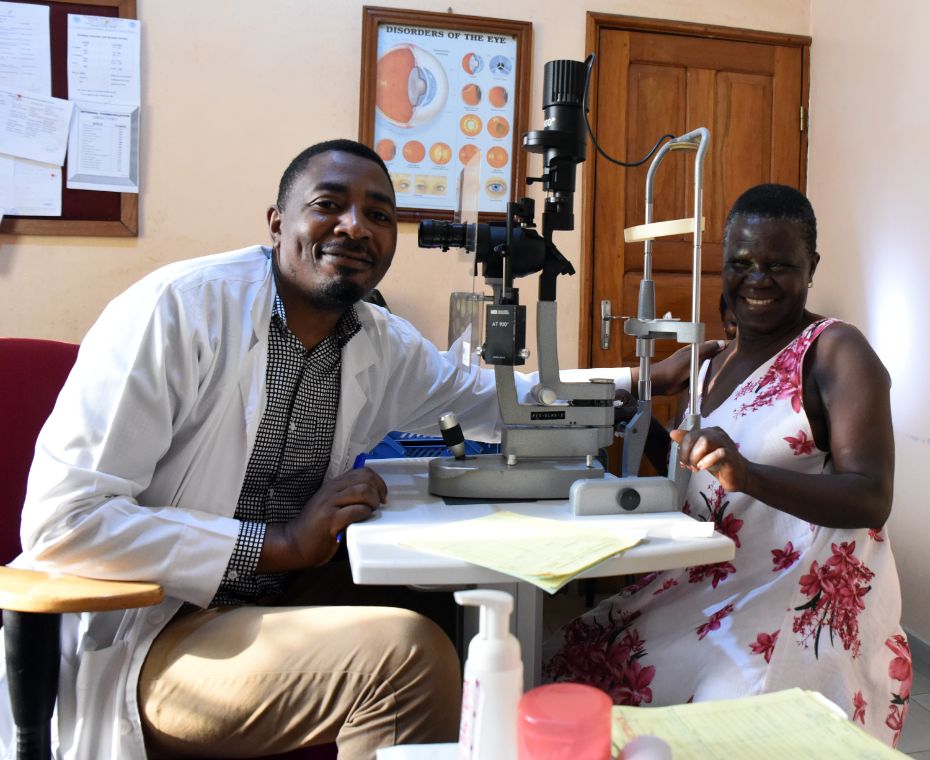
(335,237)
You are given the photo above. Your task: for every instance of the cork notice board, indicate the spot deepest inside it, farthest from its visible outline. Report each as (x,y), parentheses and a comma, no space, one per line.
(83,212)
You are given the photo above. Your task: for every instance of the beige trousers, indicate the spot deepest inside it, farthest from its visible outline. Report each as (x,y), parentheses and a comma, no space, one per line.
(248,681)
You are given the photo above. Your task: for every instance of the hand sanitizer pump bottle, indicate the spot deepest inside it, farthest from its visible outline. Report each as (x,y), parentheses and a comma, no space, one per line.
(493,681)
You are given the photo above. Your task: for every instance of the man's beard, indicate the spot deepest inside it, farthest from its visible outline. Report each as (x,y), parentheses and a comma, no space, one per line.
(337,294)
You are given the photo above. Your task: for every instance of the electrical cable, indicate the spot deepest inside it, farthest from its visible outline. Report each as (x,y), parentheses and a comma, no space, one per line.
(589,65)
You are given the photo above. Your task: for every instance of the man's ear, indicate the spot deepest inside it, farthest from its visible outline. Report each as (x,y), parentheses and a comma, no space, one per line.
(274,223)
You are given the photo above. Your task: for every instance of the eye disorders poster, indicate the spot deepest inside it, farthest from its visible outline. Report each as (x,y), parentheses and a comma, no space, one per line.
(441,96)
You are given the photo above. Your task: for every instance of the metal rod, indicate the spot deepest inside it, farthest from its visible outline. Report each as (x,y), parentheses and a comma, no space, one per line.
(704,136)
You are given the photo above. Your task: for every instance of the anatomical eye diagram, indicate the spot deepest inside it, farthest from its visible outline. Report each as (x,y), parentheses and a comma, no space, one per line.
(439,98)
(412,86)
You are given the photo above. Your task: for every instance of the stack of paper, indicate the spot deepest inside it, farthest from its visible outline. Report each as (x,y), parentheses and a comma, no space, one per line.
(546,553)
(785,724)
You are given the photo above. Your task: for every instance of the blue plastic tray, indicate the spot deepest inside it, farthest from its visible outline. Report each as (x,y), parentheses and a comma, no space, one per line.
(397,445)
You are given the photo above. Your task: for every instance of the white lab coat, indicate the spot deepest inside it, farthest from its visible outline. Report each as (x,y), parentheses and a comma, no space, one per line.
(138,470)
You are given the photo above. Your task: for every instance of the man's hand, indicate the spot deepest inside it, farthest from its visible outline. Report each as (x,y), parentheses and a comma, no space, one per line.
(670,376)
(713,450)
(310,539)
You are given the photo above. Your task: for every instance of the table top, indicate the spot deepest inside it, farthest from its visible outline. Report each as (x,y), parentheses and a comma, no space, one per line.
(673,539)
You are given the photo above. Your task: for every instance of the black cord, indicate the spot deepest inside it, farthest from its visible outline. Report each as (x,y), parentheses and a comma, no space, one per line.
(589,65)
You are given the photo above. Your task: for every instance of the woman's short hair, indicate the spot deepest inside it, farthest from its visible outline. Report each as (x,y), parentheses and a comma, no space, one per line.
(771,201)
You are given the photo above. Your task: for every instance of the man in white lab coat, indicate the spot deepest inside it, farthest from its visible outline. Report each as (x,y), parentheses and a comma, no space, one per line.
(205,441)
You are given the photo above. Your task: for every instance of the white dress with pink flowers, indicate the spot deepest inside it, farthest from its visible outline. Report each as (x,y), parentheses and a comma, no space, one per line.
(799,605)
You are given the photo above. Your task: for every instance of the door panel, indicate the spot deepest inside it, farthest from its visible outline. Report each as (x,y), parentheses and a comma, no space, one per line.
(748,92)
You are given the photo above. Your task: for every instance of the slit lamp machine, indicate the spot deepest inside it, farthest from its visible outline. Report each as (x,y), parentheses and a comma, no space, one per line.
(550,446)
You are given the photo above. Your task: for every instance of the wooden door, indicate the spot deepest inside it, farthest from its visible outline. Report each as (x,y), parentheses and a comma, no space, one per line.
(652,78)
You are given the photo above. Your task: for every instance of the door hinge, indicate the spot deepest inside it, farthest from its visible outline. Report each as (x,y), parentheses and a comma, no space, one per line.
(803,121)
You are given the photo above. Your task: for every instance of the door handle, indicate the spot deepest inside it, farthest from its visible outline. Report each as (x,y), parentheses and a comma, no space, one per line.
(606,319)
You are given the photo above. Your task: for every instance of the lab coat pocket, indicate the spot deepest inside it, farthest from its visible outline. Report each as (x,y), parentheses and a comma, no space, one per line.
(100,688)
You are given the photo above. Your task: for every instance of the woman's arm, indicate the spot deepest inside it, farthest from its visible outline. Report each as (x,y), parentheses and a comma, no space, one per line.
(848,378)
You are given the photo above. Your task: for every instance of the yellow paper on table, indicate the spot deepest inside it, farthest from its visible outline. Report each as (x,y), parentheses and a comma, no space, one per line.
(546,553)
(793,723)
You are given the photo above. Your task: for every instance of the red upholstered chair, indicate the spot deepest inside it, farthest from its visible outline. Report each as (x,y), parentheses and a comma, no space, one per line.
(31,375)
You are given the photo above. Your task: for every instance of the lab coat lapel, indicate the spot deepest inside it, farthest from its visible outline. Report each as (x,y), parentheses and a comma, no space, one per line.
(358,356)
(255,365)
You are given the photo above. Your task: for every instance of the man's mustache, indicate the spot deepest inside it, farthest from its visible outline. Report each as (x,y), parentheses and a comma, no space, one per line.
(353,248)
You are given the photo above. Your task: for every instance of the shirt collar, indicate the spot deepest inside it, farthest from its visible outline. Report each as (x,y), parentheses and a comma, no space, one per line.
(346,328)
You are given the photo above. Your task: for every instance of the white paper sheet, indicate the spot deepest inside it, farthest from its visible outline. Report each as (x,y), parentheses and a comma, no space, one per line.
(34,127)
(103,149)
(29,188)
(25,50)
(103,59)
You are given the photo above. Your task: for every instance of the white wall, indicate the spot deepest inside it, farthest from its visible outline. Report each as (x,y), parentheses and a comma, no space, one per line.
(232,90)
(869,171)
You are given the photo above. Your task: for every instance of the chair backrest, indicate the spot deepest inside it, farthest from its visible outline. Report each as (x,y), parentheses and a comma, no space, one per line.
(32,372)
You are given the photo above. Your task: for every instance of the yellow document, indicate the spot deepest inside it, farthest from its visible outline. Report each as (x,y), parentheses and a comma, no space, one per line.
(785,724)
(546,553)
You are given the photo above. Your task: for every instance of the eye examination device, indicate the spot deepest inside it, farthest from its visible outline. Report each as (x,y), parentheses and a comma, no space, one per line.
(550,447)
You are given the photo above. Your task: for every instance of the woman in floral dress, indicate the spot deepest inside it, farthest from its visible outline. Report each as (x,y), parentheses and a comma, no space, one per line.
(794,461)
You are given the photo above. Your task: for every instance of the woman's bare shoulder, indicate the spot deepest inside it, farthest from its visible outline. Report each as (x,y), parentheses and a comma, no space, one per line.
(842,351)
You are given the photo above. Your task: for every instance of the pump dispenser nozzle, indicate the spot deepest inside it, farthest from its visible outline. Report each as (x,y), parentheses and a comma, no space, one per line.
(493,680)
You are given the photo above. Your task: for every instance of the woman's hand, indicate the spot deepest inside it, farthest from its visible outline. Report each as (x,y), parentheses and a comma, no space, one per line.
(713,450)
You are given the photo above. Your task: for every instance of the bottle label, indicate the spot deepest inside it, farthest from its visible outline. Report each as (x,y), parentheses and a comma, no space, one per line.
(471,693)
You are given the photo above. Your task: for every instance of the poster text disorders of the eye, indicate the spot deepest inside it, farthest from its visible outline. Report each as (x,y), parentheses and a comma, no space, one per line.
(442,95)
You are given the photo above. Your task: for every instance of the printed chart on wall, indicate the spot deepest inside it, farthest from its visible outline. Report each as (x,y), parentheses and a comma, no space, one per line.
(441,97)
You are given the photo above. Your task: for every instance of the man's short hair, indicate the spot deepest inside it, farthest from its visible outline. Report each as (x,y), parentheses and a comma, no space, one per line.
(296,167)
(771,201)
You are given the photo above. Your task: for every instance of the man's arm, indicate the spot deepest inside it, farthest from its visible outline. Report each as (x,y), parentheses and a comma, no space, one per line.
(124,406)
(671,375)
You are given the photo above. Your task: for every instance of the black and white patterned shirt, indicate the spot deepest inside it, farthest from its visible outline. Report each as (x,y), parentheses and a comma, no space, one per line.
(292,448)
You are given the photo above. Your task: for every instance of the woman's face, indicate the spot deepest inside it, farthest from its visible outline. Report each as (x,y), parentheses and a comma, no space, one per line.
(766,271)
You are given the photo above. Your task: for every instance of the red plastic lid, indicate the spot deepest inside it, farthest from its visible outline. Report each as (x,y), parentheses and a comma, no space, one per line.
(564,720)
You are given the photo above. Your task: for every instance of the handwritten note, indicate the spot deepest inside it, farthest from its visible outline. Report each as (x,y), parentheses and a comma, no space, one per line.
(793,723)
(546,553)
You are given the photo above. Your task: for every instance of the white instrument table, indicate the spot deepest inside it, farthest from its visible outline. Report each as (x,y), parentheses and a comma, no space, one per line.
(673,539)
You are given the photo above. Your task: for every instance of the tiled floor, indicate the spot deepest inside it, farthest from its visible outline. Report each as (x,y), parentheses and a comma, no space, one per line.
(915,738)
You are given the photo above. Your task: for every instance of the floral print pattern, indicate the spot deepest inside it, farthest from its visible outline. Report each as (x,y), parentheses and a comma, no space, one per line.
(666,585)
(713,623)
(605,656)
(799,604)
(836,590)
(800,444)
(764,645)
(899,669)
(859,704)
(782,559)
